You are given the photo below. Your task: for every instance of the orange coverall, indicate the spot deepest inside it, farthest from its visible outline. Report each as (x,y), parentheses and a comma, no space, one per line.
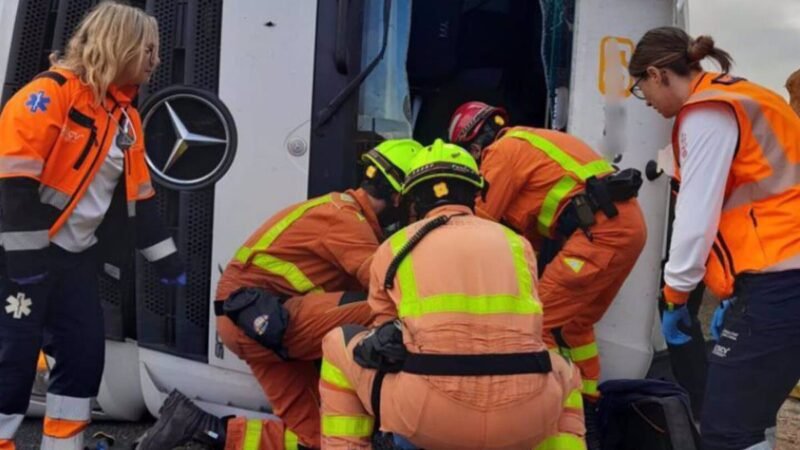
(579,284)
(332,245)
(476,299)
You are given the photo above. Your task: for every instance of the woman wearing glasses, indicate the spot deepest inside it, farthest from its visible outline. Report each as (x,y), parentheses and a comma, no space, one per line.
(737,226)
(73,178)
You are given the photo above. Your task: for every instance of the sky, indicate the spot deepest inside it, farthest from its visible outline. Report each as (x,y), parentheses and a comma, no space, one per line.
(763,36)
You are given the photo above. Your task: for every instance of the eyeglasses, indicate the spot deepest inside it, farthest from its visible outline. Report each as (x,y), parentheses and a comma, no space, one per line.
(636,90)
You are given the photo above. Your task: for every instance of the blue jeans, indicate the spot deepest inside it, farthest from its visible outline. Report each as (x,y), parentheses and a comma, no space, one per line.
(755,364)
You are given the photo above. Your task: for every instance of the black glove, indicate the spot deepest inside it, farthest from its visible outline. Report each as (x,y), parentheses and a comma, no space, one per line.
(382,348)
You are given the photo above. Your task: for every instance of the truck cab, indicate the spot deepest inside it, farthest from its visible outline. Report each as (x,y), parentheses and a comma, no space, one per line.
(258,104)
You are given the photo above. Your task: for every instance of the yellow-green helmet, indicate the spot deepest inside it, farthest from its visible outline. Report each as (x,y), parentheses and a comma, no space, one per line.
(442,160)
(393,159)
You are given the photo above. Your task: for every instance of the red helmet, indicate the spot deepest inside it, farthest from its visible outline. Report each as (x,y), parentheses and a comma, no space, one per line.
(469,118)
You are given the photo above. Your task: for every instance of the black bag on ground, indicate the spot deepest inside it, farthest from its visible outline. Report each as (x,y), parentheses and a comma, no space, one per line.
(261,315)
(646,414)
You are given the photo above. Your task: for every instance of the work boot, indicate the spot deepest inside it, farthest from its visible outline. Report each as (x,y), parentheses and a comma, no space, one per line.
(180,422)
(594,439)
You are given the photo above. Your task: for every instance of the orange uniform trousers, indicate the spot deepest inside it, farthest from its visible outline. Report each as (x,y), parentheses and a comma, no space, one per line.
(411,407)
(579,284)
(291,386)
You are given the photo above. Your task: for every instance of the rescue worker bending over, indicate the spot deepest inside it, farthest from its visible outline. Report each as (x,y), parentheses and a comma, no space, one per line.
(573,206)
(737,228)
(282,292)
(456,359)
(74,183)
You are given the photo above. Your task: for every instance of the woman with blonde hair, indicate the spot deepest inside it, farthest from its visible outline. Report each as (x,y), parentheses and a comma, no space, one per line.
(737,227)
(74,184)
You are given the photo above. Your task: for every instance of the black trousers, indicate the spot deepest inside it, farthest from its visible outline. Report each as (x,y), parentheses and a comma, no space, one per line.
(756,362)
(61,315)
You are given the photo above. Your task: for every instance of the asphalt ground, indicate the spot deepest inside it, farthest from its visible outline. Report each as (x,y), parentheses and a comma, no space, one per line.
(124,433)
(29,436)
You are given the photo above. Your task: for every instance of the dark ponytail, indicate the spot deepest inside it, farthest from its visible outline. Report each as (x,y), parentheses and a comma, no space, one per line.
(671,48)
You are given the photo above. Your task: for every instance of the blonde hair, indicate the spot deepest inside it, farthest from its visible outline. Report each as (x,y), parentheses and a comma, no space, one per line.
(110,39)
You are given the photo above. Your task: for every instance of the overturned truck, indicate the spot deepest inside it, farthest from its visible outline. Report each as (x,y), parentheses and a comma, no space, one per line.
(260,103)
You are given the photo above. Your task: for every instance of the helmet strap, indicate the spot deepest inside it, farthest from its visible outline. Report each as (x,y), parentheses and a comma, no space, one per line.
(393,217)
(379,187)
(483,139)
(459,193)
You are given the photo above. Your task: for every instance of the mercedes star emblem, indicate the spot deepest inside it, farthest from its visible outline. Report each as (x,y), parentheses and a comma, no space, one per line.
(185,138)
(190,137)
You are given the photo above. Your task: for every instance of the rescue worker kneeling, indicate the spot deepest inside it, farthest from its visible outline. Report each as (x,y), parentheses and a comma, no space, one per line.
(279,296)
(456,359)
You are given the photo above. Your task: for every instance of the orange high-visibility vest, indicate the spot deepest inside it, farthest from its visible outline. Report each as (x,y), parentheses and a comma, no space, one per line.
(759,229)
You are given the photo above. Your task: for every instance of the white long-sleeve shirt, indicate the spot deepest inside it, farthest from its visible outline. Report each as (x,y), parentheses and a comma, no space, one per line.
(78,233)
(708,136)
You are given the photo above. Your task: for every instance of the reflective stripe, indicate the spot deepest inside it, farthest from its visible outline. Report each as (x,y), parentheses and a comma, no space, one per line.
(524,277)
(53,197)
(69,408)
(145,190)
(347,426)
(70,443)
(64,421)
(554,152)
(269,237)
(590,388)
(458,303)
(293,275)
(334,376)
(290,441)
(562,441)
(785,174)
(63,428)
(583,352)
(565,185)
(551,202)
(15,165)
(25,240)
(159,251)
(412,305)
(597,167)
(574,400)
(132,208)
(252,434)
(257,254)
(9,424)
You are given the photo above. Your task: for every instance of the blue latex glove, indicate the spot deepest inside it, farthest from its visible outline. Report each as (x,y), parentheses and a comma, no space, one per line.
(719,317)
(33,279)
(180,280)
(402,443)
(670,323)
